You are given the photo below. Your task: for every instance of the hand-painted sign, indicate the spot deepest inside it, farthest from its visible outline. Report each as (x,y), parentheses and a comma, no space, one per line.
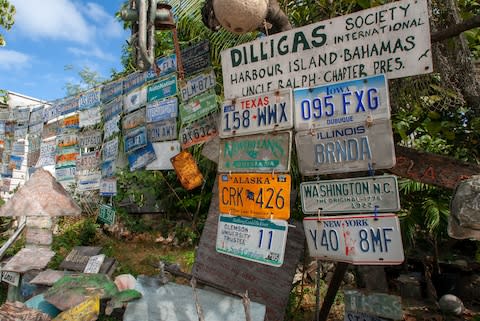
(257,114)
(90,117)
(163,88)
(187,170)
(113,108)
(162,130)
(256,153)
(346,148)
(135,139)
(199,131)
(140,158)
(255,195)
(106,214)
(351,195)
(261,241)
(89,99)
(353,101)
(110,150)
(164,66)
(88,139)
(356,239)
(108,186)
(164,152)
(135,100)
(133,81)
(196,57)
(162,109)
(196,85)
(198,107)
(134,119)
(392,39)
(87,310)
(111,90)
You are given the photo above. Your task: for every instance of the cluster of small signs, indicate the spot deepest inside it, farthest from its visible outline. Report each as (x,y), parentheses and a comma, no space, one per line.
(79,138)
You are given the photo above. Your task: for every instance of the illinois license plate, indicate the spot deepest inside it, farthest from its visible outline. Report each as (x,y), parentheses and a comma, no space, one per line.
(255,195)
(356,239)
(257,114)
(261,241)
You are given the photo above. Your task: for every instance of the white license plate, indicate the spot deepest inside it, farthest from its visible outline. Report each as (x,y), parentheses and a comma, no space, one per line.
(257,114)
(161,109)
(110,150)
(12,278)
(342,103)
(199,131)
(197,85)
(108,186)
(162,130)
(351,195)
(355,239)
(258,240)
(350,148)
(90,139)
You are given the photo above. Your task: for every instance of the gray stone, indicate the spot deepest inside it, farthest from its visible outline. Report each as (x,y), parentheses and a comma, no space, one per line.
(464,219)
(450,304)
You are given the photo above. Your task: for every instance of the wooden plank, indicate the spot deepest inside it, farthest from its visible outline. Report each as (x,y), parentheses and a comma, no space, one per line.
(17,311)
(27,259)
(39,236)
(261,281)
(47,277)
(77,259)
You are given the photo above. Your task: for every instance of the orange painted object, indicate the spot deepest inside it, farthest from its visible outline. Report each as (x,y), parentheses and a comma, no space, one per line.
(187,170)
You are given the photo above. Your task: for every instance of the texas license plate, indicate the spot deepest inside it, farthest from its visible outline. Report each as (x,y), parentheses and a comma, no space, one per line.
(257,114)
(255,195)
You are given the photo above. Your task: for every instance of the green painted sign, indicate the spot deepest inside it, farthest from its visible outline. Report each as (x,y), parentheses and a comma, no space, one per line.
(163,88)
(198,107)
(107,214)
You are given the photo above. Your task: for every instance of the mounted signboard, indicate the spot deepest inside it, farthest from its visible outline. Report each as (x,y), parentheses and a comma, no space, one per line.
(199,131)
(198,107)
(133,120)
(351,195)
(163,88)
(255,195)
(355,239)
(392,39)
(162,130)
(135,139)
(135,99)
(196,57)
(162,109)
(344,102)
(198,84)
(261,241)
(272,111)
(256,153)
(346,148)
(164,66)
(164,152)
(140,158)
(89,99)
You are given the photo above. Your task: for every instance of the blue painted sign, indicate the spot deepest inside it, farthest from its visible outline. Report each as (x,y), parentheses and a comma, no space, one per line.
(162,109)
(135,139)
(163,88)
(89,99)
(141,157)
(111,90)
(133,81)
(113,108)
(165,65)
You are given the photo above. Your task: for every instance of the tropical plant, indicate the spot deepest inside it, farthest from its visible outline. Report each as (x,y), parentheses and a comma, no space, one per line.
(7,14)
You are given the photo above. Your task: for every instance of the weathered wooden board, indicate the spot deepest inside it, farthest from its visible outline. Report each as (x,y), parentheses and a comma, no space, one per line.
(78,257)
(35,258)
(39,236)
(265,284)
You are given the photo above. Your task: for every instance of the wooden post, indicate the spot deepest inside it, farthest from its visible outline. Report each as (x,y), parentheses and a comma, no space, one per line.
(332,290)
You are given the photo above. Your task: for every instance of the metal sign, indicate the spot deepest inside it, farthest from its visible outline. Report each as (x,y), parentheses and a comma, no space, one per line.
(69,105)
(380,305)
(133,81)
(89,99)
(88,182)
(90,139)
(12,278)
(71,122)
(187,170)
(163,88)
(51,112)
(393,39)
(197,85)
(355,239)
(135,100)
(135,139)
(162,109)
(257,240)
(164,66)
(256,153)
(352,101)
(113,108)
(164,152)
(198,107)
(111,90)
(94,263)
(134,119)
(111,126)
(351,195)
(196,57)
(140,158)
(110,150)
(90,117)
(162,130)
(108,168)
(257,114)
(65,173)
(255,195)
(88,161)
(108,186)
(347,148)
(199,131)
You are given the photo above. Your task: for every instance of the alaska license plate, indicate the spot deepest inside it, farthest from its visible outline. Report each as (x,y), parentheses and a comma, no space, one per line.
(257,114)
(255,195)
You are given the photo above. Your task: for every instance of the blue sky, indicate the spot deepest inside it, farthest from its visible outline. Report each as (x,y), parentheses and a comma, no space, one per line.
(51,34)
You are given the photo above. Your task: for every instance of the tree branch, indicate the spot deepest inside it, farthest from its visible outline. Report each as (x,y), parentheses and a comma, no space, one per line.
(456,29)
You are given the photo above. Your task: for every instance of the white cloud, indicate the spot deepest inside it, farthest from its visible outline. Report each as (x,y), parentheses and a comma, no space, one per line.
(55,19)
(92,53)
(11,59)
(106,23)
